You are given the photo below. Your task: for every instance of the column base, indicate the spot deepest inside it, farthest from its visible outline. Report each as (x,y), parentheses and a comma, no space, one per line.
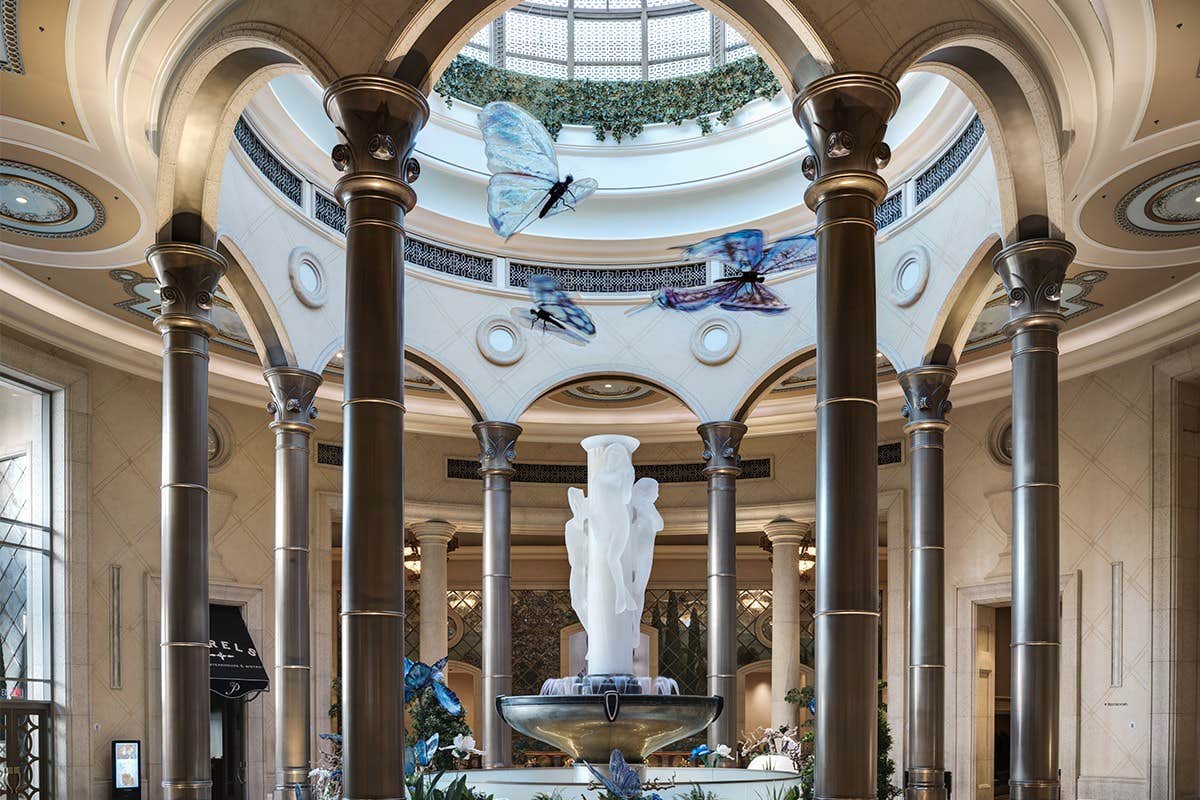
(293,791)
(925,784)
(187,790)
(1035,790)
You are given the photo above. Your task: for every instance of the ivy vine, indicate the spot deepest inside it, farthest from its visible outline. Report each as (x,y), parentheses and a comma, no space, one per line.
(620,109)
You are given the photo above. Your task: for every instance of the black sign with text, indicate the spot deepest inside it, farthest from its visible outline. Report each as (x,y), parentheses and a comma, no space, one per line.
(235,667)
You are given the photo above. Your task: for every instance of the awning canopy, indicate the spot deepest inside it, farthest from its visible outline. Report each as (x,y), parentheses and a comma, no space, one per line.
(234,667)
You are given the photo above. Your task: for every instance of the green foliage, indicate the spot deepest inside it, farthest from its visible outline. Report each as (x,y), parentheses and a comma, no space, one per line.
(555,794)
(779,793)
(423,787)
(886,767)
(695,793)
(426,717)
(620,109)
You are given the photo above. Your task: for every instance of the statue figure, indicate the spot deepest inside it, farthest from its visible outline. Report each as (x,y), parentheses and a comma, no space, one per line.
(610,546)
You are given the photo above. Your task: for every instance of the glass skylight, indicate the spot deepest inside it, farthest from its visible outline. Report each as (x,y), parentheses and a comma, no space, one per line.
(624,40)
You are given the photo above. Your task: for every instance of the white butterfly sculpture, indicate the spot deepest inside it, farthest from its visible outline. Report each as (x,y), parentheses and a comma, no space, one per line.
(525,184)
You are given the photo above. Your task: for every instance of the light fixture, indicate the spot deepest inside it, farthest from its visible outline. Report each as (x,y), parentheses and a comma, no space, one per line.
(412,556)
(23,200)
(608,386)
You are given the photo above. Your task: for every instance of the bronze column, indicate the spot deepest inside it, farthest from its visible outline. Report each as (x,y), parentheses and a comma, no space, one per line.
(293,392)
(497,454)
(722,465)
(379,119)
(1033,273)
(845,118)
(188,276)
(927,401)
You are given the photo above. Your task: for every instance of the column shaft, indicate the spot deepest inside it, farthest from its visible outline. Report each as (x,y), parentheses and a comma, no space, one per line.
(926,391)
(434,538)
(786,538)
(379,119)
(293,392)
(497,453)
(722,467)
(1033,272)
(845,117)
(188,276)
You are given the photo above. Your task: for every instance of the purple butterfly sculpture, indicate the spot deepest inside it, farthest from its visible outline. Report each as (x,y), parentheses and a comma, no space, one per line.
(745,251)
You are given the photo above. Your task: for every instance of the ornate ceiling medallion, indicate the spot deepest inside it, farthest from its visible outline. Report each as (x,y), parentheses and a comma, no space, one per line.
(608,389)
(44,204)
(1167,204)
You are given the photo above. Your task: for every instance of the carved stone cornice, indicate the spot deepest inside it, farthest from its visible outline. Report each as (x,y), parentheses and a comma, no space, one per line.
(926,396)
(378,118)
(187,276)
(721,443)
(497,447)
(293,398)
(845,118)
(1033,272)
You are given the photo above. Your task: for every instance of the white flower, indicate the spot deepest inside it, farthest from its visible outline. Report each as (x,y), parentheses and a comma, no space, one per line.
(464,746)
(722,751)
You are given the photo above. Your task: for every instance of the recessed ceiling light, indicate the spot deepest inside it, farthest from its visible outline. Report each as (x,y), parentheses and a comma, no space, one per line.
(24,200)
(608,386)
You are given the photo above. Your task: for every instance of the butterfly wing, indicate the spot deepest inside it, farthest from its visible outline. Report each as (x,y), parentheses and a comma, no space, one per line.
(516,142)
(527,317)
(549,296)
(576,193)
(741,249)
(513,201)
(448,699)
(755,297)
(604,781)
(694,299)
(790,253)
(627,781)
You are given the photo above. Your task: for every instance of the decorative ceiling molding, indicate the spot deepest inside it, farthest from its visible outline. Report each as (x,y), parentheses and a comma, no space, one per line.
(1166,204)
(10,42)
(43,204)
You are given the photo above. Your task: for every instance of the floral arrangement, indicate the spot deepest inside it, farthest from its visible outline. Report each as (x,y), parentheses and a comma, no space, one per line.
(620,109)
(703,756)
(327,778)
(783,740)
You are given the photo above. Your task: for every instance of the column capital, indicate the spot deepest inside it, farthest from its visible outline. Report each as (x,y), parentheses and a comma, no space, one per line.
(293,397)
(436,531)
(1033,272)
(498,447)
(783,530)
(721,443)
(187,276)
(845,117)
(926,396)
(378,118)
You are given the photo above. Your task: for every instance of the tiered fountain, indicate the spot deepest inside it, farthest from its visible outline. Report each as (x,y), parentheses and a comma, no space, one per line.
(610,544)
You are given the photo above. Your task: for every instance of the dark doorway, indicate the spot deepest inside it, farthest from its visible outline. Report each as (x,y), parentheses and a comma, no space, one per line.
(227,745)
(1002,746)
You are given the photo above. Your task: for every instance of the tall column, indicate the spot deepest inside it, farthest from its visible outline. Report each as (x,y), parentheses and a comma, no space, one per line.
(379,119)
(845,117)
(293,392)
(434,539)
(786,537)
(187,275)
(926,394)
(497,453)
(1033,272)
(722,467)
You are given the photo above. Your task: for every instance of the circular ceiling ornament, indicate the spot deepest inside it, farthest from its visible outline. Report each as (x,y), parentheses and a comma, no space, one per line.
(500,341)
(909,277)
(715,340)
(1167,204)
(44,204)
(609,389)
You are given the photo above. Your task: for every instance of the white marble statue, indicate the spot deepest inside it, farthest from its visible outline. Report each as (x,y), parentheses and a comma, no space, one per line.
(610,544)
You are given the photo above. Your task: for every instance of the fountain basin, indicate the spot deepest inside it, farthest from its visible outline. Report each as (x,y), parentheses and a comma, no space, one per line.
(590,727)
(727,783)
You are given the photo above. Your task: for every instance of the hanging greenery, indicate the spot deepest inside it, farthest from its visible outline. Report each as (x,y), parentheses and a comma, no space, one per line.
(620,109)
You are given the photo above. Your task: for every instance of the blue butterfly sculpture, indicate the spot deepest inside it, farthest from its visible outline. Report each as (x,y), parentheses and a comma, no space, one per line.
(623,783)
(525,183)
(556,313)
(420,754)
(744,291)
(419,676)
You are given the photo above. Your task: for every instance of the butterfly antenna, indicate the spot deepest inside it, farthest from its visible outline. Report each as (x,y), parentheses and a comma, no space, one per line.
(629,312)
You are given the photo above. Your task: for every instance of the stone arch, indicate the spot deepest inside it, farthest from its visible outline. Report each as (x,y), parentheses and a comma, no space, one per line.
(1019,111)
(567,377)
(964,301)
(254,306)
(208,92)
(760,388)
(788,42)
